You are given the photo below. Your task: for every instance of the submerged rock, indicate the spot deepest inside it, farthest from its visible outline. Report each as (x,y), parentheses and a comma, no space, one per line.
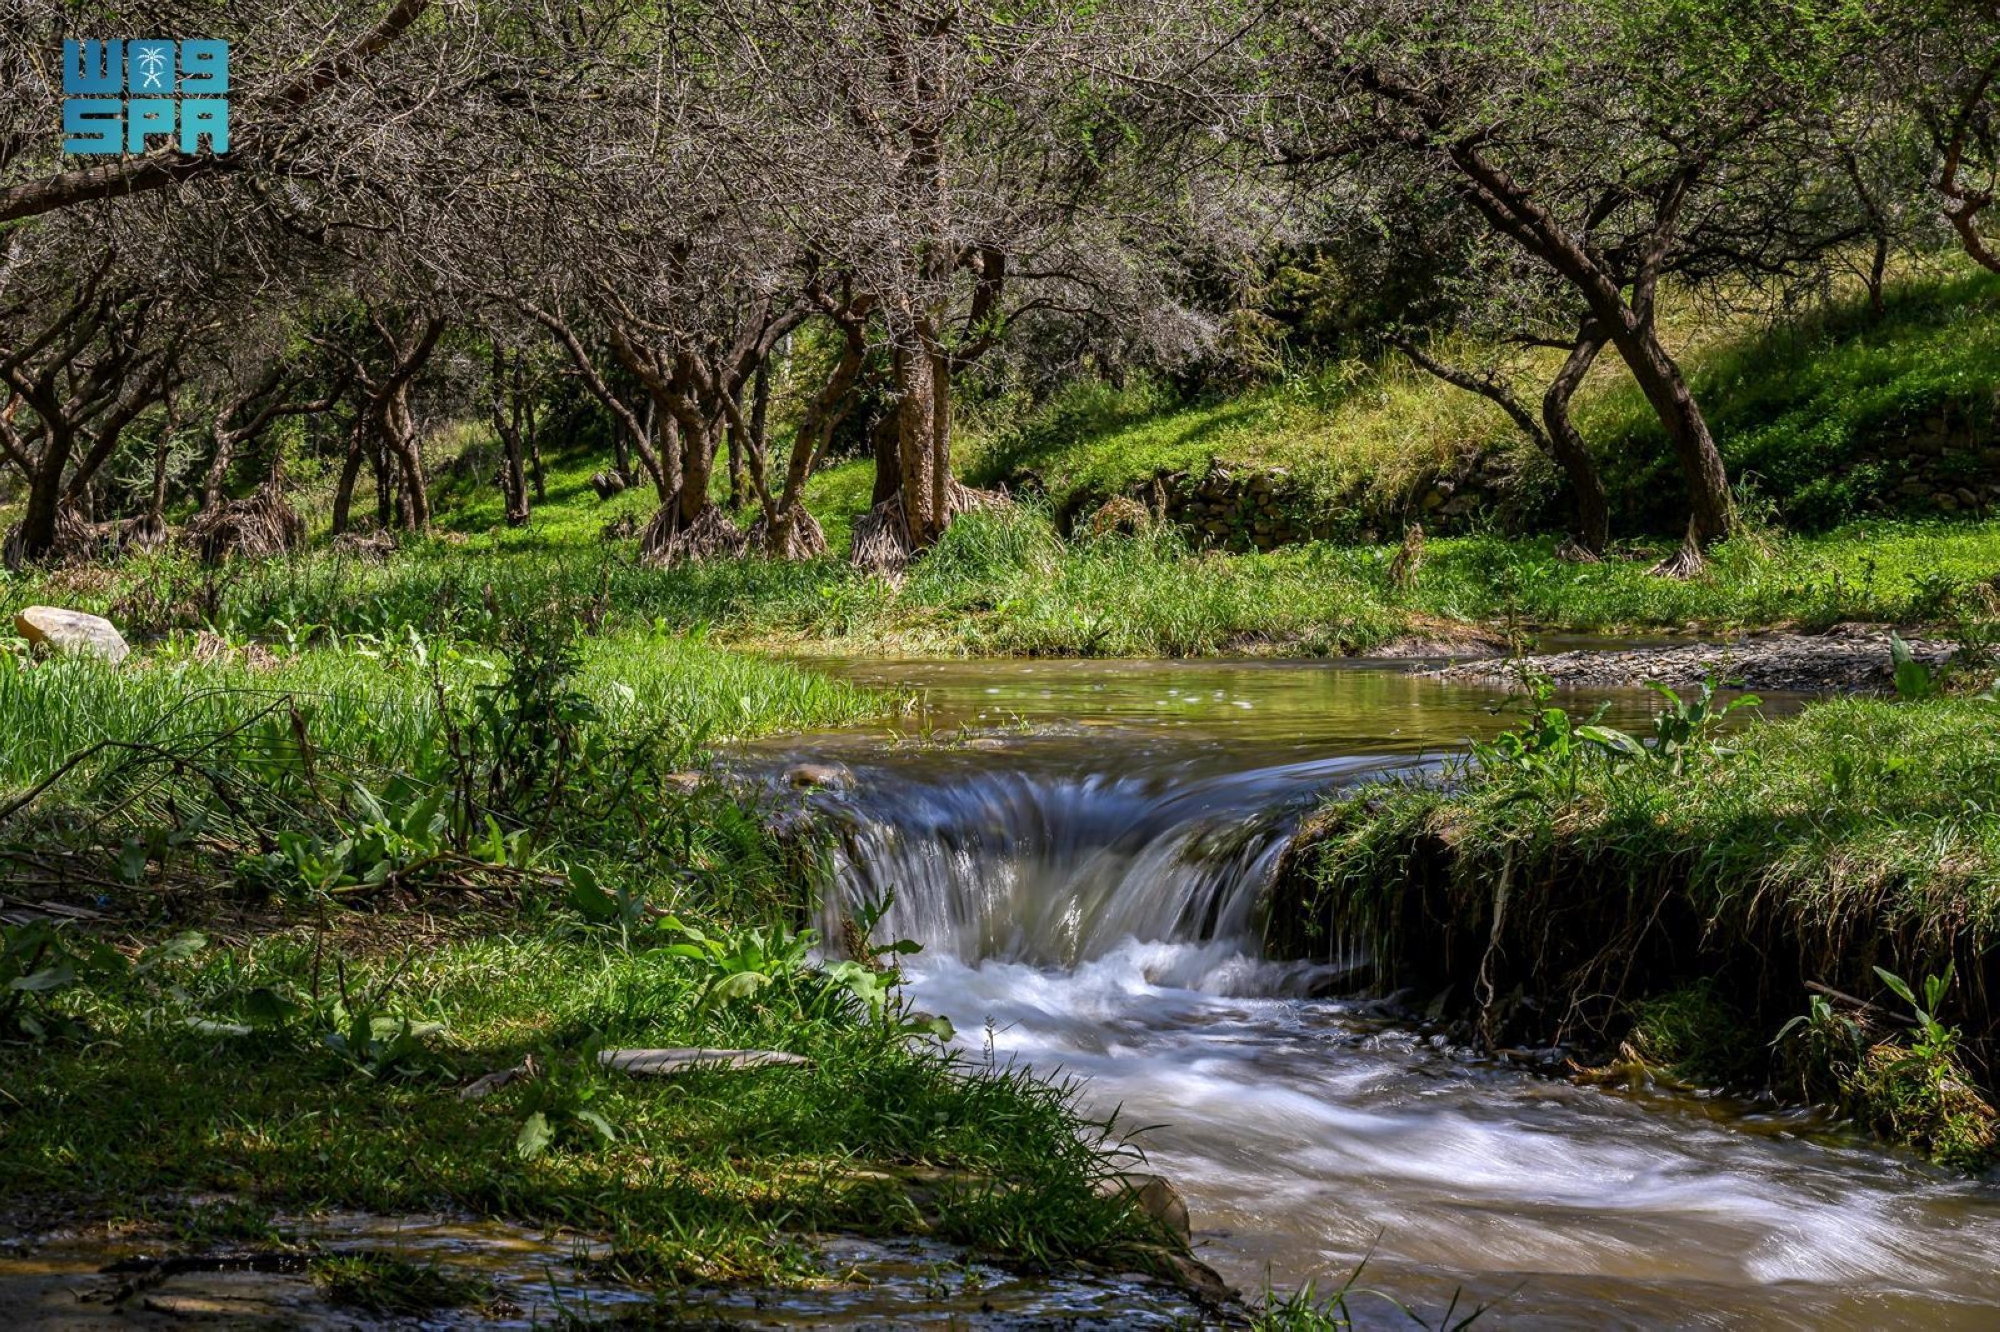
(806,776)
(73,633)
(1156,1196)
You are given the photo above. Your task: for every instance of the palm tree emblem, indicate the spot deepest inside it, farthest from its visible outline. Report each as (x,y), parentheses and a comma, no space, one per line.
(152,62)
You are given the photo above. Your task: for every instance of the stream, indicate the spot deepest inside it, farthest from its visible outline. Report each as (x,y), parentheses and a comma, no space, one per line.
(1080,846)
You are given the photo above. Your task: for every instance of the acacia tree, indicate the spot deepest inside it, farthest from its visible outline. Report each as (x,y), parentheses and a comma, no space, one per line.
(955,170)
(1560,125)
(84,349)
(1937,63)
(248,400)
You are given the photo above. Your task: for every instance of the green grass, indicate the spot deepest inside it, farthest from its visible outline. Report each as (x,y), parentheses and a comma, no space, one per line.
(1793,402)
(1568,896)
(427,858)
(1005,584)
(710,1175)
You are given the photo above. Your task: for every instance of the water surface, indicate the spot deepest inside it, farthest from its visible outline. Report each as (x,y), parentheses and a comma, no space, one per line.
(1081,848)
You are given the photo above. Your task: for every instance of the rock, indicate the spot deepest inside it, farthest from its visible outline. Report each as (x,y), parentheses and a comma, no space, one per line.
(1156,1196)
(679,1059)
(806,776)
(72,632)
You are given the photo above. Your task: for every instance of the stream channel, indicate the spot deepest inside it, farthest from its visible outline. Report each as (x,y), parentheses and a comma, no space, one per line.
(1080,847)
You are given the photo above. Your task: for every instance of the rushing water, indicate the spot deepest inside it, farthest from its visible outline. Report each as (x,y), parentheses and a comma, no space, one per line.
(1080,848)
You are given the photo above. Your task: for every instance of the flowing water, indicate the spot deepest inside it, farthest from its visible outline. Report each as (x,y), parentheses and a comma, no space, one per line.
(1080,848)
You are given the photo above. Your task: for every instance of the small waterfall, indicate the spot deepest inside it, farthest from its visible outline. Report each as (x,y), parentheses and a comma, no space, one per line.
(993,862)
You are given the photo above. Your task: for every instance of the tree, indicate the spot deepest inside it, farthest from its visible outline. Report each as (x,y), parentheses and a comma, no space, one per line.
(1938,63)
(83,351)
(1613,144)
(294,81)
(385,349)
(243,411)
(960,169)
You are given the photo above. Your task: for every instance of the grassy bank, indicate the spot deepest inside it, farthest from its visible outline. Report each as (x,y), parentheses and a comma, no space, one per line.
(1006,584)
(1688,897)
(1802,405)
(311,896)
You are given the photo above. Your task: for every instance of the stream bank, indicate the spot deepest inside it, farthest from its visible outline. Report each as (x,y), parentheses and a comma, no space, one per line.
(1580,905)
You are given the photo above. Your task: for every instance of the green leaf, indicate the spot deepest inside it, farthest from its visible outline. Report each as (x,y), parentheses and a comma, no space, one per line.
(177,949)
(534,1137)
(1899,985)
(214,1027)
(739,986)
(598,1123)
(1611,738)
(45,980)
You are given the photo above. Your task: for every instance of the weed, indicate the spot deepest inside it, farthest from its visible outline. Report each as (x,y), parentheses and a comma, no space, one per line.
(390,1287)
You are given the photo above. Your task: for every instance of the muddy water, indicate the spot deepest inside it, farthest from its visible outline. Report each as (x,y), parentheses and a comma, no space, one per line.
(1080,847)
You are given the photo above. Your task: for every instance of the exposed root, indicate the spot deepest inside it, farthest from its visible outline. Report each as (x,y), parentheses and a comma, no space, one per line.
(1687,562)
(882,538)
(664,542)
(800,536)
(1573,551)
(260,525)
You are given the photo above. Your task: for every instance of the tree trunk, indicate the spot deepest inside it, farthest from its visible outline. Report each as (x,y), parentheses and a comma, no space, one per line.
(507,392)
(737,494)
(883,437)
(45,493)
(1711,510)
(1593,509)
(916,443)
(697,467)
(350,471)
(385,484)
(398,429)
(822,417)
(218,466)
(535,455)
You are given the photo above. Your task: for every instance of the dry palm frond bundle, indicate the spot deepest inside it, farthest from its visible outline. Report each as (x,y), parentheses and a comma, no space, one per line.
(77,541)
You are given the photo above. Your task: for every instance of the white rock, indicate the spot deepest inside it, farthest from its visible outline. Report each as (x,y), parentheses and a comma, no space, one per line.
(72,632)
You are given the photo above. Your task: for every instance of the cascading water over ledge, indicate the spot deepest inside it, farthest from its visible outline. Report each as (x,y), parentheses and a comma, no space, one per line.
(1014,863)
(1083,848)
